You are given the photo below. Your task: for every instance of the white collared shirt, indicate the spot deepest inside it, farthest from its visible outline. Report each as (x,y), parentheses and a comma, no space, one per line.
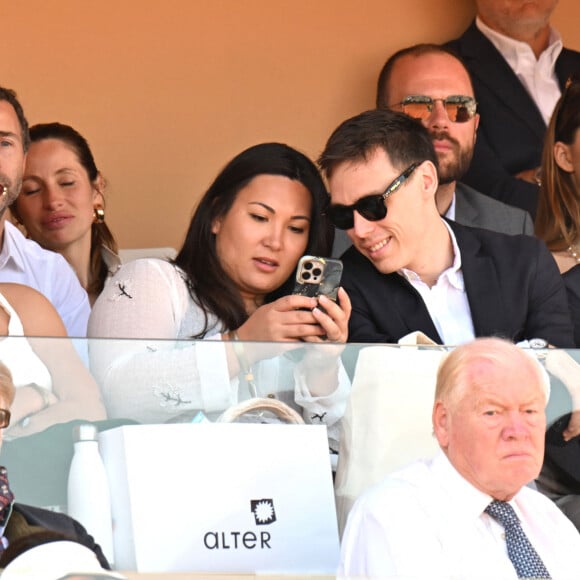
(446,301)
(427,521)
(23,261)
(537,75)
(450,213)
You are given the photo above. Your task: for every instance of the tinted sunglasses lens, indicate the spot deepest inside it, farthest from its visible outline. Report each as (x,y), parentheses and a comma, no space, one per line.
(4,418)
(341,216)
(372,207)
(458,112)
(418,110)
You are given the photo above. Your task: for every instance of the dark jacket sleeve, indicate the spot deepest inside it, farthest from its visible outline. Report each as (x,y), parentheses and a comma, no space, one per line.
(548,311)
(63,524)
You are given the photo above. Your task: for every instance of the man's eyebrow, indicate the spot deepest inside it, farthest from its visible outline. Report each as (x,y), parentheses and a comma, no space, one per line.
(273,211)
(9,134)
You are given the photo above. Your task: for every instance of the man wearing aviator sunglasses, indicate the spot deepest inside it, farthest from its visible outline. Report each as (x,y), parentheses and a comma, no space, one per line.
(410,270)
(427,82)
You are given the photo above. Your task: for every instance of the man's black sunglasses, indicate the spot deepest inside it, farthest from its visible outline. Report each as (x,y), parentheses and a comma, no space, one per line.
(371,207)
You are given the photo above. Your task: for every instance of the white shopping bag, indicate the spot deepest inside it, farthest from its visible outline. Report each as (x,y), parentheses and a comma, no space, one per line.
(387,423)
(229,498)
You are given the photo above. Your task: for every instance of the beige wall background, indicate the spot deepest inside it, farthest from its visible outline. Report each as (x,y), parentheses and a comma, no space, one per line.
(167,91)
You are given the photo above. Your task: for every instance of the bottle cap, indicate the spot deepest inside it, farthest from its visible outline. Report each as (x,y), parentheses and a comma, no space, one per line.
(85,432)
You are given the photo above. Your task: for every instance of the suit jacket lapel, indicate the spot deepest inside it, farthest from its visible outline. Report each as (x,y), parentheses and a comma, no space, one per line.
(410,306)
(493,71)
(488,310)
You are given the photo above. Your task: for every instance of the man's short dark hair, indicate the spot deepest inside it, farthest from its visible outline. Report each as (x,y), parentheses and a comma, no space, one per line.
(403,138)
(417,50)
(9,96)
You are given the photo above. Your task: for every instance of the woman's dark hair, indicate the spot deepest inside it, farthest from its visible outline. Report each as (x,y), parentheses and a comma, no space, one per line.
(22,544)
(558,214)
(101,235)
(210,287)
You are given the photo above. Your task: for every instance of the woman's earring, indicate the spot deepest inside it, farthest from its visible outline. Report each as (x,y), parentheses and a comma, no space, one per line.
(4,192)
(99,215)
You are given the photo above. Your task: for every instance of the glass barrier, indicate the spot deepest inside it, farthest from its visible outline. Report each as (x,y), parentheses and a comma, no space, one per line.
(155,405)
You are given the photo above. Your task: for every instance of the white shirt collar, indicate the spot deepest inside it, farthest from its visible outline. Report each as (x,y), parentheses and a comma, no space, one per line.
(10,250)
(472,500)
(450,213)
(514,51)
(453,273)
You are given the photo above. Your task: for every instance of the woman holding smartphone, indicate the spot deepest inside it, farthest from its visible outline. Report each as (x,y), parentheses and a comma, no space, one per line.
(232,280)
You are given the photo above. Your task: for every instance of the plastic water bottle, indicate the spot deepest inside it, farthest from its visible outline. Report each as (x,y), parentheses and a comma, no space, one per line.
(89,499)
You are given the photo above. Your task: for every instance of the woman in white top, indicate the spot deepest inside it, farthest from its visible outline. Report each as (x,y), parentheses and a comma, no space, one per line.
(52,384)
(61,204)
(232,281)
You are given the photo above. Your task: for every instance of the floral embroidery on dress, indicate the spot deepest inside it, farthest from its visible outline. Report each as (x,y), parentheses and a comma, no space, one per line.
(122,289)
(170,396)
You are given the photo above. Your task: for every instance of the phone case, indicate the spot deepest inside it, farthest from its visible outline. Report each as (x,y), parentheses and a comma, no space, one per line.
(316,276)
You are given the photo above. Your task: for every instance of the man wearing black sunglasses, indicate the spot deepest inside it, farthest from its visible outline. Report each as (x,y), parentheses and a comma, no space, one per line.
(427,82)
(411,270)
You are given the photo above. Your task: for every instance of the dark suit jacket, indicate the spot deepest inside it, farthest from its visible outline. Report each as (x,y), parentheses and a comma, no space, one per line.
(471,209)
(26,520)
(511,129)
(513,287)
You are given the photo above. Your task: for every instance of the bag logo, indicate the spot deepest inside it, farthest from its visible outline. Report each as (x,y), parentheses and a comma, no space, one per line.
(263,510)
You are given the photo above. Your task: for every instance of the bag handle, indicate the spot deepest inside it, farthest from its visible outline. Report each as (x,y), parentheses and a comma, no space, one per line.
(280,409)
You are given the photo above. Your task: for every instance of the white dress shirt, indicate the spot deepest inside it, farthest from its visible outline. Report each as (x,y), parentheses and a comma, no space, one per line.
(427,521)
(450,213)
(537,75)
(23,261)
(446,300)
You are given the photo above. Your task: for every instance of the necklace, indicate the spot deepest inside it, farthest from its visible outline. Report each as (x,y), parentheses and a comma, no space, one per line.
(574,252)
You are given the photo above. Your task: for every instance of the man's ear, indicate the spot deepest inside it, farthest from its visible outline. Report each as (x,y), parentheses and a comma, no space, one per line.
(476,119)
(563,157)
(429,176)
(440,419)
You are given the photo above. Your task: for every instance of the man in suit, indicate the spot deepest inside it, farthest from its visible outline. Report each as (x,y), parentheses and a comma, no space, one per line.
(18,521)
(519,67)
(409,81)
(410,270)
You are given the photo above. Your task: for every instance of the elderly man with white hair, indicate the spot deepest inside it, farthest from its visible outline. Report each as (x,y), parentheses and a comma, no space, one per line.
(468,513)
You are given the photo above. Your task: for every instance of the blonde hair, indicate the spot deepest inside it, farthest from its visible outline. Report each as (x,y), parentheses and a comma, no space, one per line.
(7,390)
(453,372)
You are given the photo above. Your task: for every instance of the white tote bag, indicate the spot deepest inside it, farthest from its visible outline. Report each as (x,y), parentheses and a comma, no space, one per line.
(387,423)
(229,498)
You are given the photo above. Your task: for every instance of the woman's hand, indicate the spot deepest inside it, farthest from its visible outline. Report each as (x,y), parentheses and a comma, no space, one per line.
(299,318)
(289,318)
(296,319)
(333,318)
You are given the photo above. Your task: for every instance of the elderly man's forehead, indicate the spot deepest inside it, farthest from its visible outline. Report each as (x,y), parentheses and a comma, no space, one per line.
(482,370)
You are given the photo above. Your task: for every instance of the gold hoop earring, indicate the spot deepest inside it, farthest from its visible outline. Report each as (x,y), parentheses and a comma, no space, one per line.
(99,215)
